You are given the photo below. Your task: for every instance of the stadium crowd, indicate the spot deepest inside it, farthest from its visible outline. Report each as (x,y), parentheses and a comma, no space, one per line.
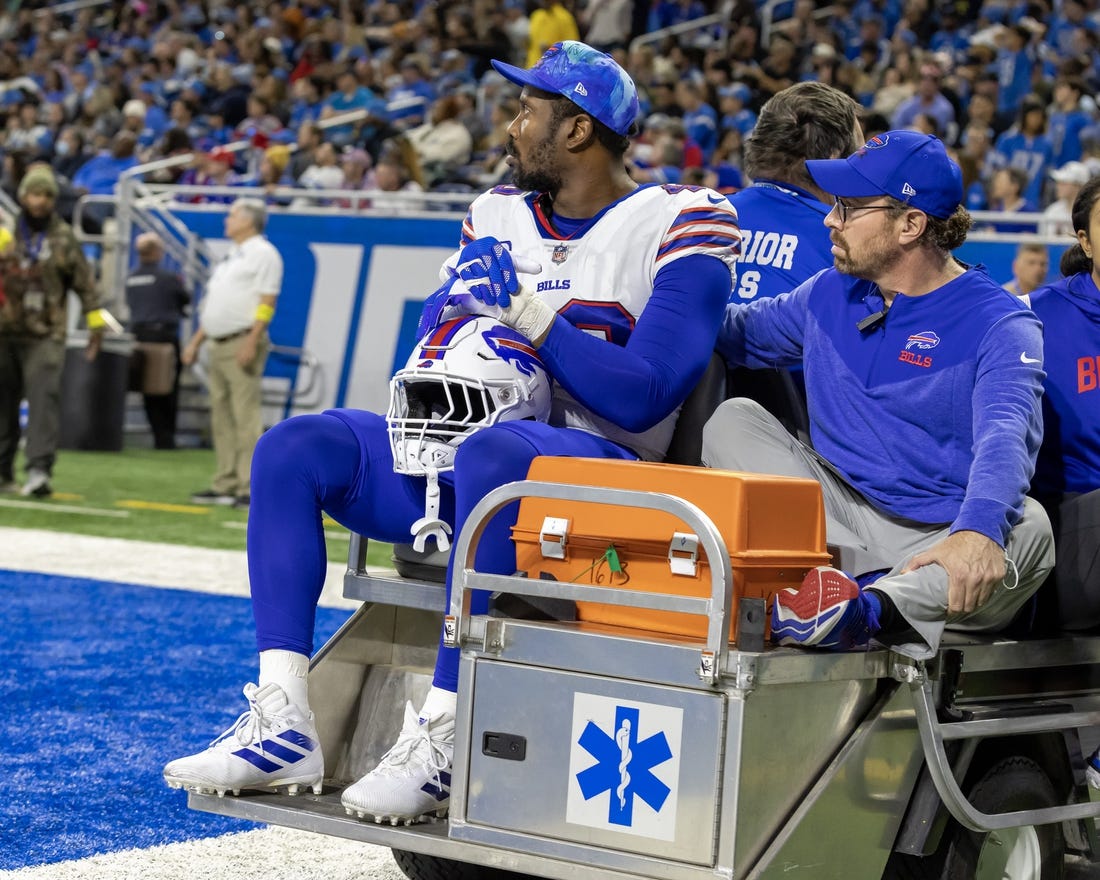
(1008,85)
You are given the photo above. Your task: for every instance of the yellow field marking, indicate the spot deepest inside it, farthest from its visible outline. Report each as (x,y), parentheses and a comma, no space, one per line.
(67,496)
(134,504)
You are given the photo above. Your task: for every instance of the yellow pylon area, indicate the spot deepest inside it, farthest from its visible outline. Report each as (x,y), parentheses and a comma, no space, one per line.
(133,504)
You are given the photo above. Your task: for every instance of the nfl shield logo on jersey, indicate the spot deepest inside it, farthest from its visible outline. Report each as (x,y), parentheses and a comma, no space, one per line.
(561,252)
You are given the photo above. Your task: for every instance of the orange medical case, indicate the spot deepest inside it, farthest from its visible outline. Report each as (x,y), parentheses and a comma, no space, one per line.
(773,528)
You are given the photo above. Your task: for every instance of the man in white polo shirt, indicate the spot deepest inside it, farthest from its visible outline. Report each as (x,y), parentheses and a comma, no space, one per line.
(234,315)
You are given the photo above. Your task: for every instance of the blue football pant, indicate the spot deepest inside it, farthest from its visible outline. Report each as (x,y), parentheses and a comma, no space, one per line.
(340,463)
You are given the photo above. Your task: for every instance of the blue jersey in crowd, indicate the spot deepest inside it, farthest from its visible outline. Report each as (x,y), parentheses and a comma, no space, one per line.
(1065,135)
(783,239)
(1031,154)
(1070,457)
(1014,78)
(702,127)
(933,413)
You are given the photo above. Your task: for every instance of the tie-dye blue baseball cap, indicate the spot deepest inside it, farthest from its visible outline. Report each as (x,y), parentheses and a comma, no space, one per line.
(589,78)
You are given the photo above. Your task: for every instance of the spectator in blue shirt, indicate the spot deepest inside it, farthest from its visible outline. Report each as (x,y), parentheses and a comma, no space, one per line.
(29,133)
(133,119)
(666,13)
(734,103)
(305,102)
(1026,146)
(700,119)
(407,104)
(184,115)
(349,96)
(1060,33)
(974,154)
(1014,67)
(870,35)
(100,174)
(928,101)
(156,120)
(950,35)
(1006,193)
(1067,120)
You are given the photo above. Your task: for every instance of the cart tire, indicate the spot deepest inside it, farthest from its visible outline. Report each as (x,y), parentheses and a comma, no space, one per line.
(1035,852)
(417,866)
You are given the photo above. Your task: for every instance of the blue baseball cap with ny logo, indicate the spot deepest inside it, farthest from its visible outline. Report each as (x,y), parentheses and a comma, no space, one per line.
(911,167)
(589,78)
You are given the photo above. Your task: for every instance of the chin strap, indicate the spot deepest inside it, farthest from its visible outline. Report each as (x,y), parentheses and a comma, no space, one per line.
(430,525)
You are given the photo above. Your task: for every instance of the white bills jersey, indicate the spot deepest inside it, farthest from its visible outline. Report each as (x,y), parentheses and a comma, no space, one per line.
(600,278)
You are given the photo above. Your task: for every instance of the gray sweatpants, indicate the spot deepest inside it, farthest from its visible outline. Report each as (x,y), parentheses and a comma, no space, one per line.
(743,436)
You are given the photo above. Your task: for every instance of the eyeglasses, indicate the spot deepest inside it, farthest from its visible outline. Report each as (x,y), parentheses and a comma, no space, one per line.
(844,210)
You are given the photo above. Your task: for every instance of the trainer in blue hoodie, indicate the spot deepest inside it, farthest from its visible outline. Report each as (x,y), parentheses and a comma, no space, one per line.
(1067,479)
(923,380)
(1068,476)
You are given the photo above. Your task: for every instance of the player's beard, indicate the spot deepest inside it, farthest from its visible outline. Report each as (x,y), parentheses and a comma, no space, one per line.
(875,256)
(539,172)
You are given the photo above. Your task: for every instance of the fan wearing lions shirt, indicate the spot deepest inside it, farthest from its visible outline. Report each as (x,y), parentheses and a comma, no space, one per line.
(620,290)
(923,382)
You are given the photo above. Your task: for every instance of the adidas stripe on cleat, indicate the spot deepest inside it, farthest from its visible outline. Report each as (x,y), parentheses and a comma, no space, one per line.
(827,611)
(412,782)
(272,746)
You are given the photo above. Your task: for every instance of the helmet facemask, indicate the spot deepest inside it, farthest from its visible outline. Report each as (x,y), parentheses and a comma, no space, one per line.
(467,374)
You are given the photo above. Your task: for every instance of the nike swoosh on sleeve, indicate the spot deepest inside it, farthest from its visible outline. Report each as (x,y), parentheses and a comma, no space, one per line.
(1024,359)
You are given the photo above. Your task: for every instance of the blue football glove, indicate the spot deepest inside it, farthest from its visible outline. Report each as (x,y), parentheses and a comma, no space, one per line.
(432,314)
(487,268)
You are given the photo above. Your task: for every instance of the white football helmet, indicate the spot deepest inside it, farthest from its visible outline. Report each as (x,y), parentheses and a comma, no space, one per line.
(468,373)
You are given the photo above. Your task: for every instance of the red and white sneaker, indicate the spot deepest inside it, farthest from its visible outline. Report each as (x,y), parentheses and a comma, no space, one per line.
(828,611)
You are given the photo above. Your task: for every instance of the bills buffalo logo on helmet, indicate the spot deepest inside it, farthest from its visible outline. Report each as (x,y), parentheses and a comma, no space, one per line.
(513,350)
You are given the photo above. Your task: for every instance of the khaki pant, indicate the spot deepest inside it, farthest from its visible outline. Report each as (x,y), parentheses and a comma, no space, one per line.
(743,436)
(235,413)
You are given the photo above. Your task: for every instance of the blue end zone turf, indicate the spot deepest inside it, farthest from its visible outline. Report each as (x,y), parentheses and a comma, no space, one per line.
(101,684)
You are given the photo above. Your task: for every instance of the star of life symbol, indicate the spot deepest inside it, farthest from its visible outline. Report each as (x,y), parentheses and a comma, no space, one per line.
(624,766)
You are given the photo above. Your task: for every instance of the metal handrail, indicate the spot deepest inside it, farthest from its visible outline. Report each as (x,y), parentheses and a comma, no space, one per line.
(8,204)
(685,27)
(716,608)
(71,6)
(933,735)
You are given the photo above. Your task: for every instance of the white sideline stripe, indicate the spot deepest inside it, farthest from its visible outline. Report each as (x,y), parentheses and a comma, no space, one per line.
(267,852)
(221,572)
(64,508)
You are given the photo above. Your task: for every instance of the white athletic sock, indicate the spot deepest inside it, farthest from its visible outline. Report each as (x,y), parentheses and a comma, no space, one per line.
(439,702)
(289,670)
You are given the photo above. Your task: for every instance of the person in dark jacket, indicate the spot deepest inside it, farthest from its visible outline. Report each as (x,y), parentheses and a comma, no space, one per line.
(157,300)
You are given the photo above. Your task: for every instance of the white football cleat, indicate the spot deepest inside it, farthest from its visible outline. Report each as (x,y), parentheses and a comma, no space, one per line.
(413,779)
(272,746)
